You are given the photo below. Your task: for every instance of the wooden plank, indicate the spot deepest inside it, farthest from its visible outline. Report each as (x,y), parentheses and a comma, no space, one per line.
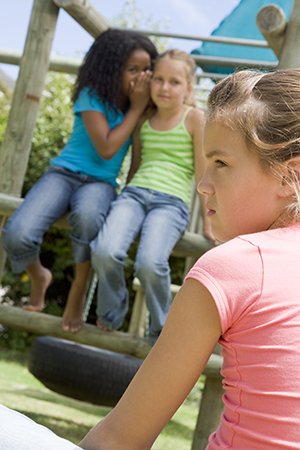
(9,203)
(116,341)
(191,244)
(85,14)
(46,324)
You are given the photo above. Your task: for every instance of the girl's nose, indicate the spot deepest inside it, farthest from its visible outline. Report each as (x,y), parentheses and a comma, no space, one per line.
(204,187)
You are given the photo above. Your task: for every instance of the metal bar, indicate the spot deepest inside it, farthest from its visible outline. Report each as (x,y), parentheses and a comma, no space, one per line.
(234,62)
(71,65)
(216,39)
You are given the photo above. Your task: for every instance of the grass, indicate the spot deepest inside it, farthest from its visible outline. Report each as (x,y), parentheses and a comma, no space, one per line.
(72,419)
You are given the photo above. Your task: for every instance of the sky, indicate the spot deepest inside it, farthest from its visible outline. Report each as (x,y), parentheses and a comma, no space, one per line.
(189,17)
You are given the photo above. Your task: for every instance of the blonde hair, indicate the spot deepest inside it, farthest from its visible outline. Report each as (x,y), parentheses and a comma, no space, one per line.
(190,66)
(265,107)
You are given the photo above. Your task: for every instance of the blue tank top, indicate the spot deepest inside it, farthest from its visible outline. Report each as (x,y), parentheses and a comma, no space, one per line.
(79,155)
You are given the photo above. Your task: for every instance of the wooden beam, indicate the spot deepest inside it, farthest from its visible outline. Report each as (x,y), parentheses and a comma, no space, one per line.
(46,324)
(191,244)
(290,55)
(272,24)
(85,14)
(116,341)
(9,203)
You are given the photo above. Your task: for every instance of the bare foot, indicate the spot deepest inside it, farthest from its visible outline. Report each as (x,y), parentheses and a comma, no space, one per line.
(73,314)
(102,327)
(39,286)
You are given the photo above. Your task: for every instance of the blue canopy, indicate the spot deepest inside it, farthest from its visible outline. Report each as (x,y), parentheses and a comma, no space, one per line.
(241,23)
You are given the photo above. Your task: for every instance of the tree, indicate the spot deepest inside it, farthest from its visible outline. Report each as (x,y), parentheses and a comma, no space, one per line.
(132,17)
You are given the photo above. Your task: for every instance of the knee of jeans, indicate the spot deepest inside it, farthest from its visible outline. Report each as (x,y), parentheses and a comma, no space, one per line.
(148,269)
(86,226)
(103,254)
(14,241)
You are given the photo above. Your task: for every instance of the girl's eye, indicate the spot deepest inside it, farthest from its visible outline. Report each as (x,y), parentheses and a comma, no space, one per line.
(220,163)
(175,82)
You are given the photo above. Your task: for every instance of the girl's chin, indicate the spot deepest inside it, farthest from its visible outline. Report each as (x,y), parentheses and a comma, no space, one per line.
(220,235)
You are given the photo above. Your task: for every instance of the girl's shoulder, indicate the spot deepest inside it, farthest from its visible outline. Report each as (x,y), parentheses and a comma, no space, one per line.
(142,120)
(88,97)
(194,118)
(195,114)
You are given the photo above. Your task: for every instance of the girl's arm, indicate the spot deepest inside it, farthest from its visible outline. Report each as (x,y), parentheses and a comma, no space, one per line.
(108,141)
(136,150)
(195,125)
(166,377)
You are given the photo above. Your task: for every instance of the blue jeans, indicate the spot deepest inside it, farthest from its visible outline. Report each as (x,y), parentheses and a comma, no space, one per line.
(161,219)
(56,192)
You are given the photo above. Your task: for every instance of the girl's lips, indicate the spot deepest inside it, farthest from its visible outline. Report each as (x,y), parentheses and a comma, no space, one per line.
(210,212)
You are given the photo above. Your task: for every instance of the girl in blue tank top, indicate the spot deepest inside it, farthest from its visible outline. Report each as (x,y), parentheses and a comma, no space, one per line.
(110,95)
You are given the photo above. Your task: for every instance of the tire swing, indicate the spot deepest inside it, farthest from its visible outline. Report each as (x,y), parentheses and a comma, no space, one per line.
(81,372)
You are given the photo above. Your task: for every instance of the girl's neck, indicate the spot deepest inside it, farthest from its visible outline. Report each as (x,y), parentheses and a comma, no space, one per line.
(166,119)
(166,113)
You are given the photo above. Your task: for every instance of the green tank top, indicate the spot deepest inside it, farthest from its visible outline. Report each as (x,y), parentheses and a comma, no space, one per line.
(167,160)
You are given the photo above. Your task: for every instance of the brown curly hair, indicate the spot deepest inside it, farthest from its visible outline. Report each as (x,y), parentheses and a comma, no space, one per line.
(105,61)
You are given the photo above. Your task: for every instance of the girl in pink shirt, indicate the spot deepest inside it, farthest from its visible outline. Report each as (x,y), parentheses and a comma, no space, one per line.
(245,293)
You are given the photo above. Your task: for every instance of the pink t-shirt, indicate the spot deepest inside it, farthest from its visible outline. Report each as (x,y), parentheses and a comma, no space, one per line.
(255,282)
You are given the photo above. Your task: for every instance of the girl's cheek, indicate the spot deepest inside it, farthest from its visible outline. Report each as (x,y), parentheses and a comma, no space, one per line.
(152,88)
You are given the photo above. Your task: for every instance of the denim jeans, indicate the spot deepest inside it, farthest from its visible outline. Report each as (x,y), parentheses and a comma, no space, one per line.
(161,219)
(56,192)
(18,432)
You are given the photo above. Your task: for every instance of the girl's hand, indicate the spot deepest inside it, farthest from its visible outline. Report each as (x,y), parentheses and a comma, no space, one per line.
(139,91)
(108,141)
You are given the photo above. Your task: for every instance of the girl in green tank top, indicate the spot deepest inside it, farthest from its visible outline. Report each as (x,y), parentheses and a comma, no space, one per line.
(167,154)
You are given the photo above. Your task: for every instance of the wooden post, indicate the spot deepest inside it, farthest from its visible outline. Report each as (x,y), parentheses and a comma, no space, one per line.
(211,408)
(290,56)
(272,24)
(85,14)
(16,143)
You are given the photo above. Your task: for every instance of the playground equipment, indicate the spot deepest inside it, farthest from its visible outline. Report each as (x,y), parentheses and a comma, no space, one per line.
(283,38)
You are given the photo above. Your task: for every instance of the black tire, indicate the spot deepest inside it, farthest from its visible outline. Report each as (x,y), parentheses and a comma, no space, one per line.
(80,371)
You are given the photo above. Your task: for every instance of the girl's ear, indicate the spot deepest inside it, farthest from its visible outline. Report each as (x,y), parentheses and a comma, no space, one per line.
(188,91)
(290,180)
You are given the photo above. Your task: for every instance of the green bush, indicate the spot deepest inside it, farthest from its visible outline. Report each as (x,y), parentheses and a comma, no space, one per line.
(5,102)
(51,133)
(53,126)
